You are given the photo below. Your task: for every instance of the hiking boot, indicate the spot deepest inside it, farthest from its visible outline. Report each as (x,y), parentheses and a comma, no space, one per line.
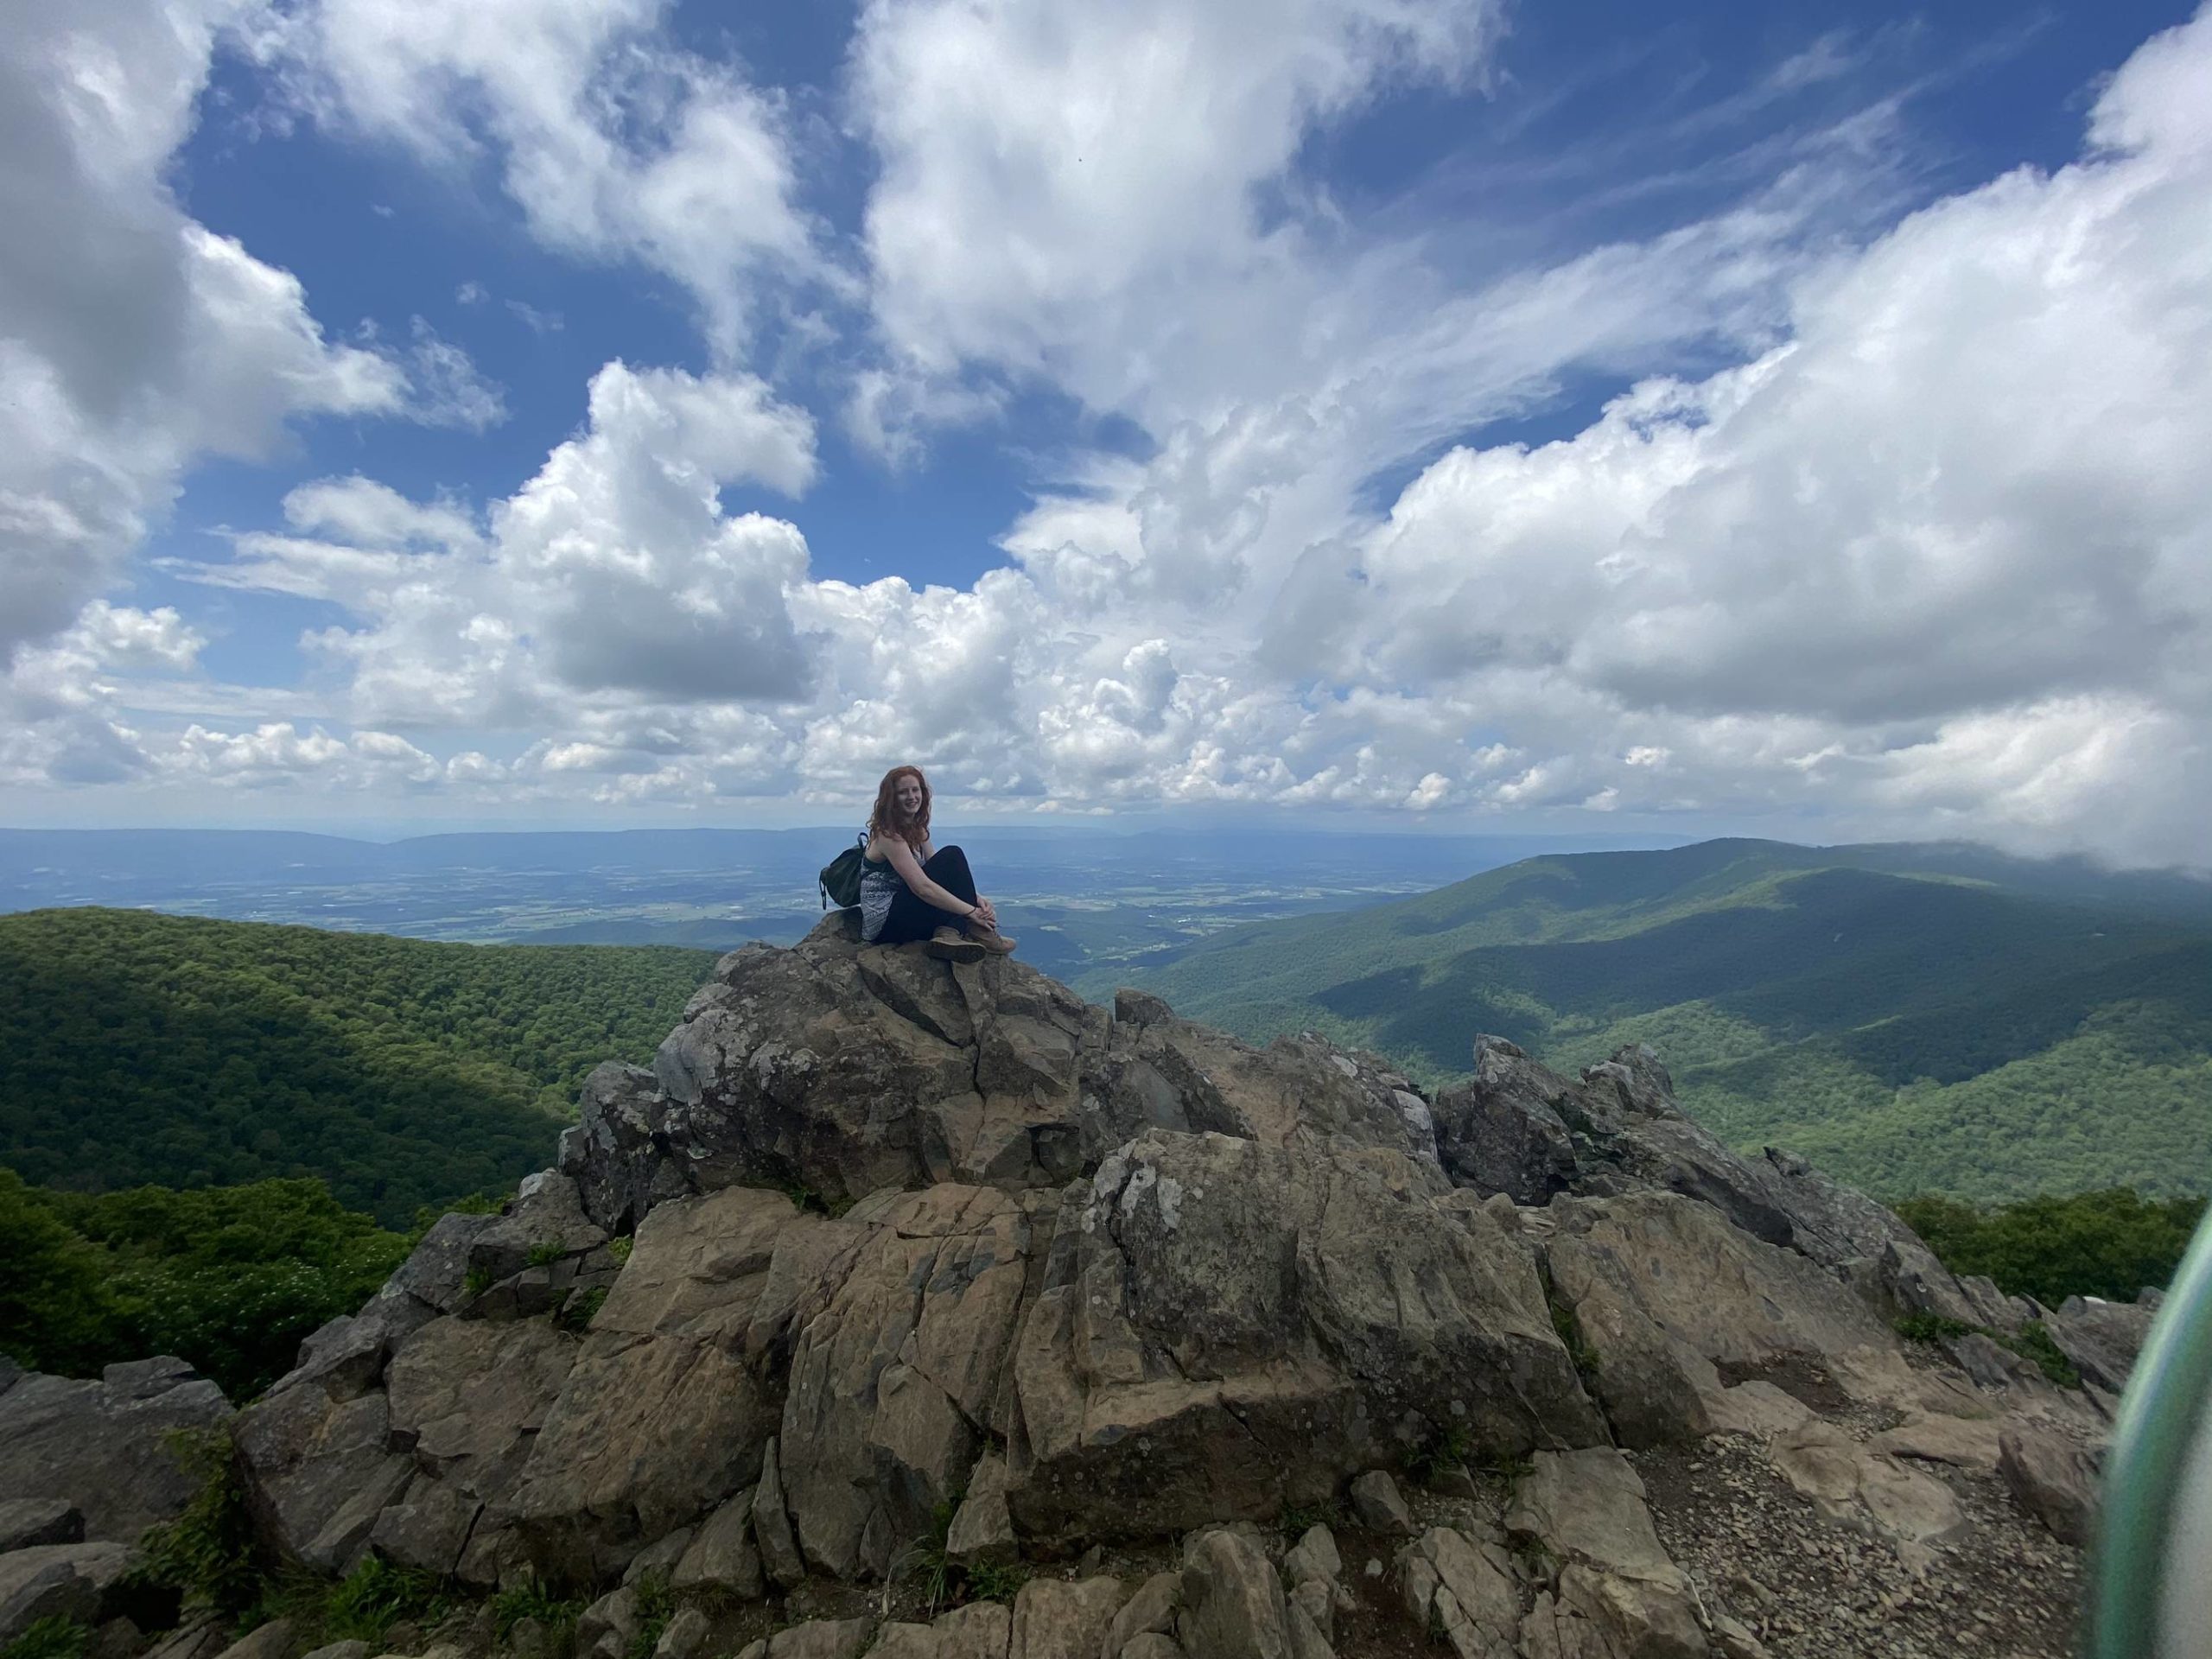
(950,945)
(993,941)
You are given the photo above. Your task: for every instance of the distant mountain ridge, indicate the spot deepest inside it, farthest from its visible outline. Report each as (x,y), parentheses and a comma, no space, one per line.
(1913,1017)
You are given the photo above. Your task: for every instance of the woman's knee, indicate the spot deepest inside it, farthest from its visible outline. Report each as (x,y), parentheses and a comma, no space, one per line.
(951,855)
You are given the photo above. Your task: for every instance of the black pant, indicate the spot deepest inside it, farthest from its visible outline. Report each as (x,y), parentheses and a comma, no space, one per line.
(913,918)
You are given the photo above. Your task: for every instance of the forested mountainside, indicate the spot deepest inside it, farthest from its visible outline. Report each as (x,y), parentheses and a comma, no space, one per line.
(137,1048)
(1911,1019)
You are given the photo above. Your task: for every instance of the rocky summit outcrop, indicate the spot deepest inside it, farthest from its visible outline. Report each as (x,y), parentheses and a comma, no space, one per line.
(882,1250)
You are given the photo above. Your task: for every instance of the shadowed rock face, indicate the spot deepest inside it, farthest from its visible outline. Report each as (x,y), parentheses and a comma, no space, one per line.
(898,1231)
(102,1448)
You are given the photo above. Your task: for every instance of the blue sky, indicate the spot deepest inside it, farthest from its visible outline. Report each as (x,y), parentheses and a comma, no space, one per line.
(1474,414)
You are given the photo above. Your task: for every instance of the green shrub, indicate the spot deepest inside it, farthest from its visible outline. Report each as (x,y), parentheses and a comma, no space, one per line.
(2033,1342)
(532,1599)
(375,1595)
(231,1279)
(620,1248)
(1931,1327)
(2109,1243)
(578,1312)
(207,1552)
(656,1606)
(544,1253)
(57,1311)
(1505,1465)
(49,1638)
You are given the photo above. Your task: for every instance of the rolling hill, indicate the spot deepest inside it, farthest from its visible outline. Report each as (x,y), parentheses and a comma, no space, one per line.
(1912,1019)
(145,1049)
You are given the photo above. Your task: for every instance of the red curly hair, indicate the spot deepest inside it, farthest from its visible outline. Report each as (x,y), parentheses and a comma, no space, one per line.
(885,820)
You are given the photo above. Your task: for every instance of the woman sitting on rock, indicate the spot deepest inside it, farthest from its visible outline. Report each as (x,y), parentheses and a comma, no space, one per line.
(910,890)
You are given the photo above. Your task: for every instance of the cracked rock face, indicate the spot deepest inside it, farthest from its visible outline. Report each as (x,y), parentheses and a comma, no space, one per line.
(877,1239)
(102,1447)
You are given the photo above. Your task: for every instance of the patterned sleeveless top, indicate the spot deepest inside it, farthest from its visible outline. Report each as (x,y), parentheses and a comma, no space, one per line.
(879,884)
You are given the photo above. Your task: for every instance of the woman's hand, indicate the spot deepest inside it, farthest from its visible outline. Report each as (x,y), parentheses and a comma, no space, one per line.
(984,913)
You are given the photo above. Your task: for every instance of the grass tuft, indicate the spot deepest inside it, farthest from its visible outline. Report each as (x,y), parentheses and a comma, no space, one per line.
(992,1581)
(656,1606)
(1449,1449)
(581,1309)
(49,1638)
(375,1595)
(532,1599)
(1298,1519)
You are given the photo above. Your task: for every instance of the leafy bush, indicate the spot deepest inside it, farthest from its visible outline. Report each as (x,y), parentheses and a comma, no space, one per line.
(2110,1243)
(2032,1341)
(208,1551)
(228,1278)
(49,1638)
(1931,1327)
(57,1312)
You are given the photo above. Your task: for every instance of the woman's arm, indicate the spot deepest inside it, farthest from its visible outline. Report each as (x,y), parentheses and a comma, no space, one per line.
(910,871)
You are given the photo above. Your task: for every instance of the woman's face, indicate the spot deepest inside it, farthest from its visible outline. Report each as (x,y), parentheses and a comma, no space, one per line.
(908,794)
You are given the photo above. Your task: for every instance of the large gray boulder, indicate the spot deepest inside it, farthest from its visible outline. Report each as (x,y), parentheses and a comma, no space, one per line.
(2101,1339)
(1466,1588)
(1587,1510)
(1225,1326)
(467,1400)
(1687,1317)
(103,1448)
(1520,1129)
(345,1358)
(893,1380)
(27,1521)
(1233,1605)
(660,1417)
(2053,1477)
(318,1472)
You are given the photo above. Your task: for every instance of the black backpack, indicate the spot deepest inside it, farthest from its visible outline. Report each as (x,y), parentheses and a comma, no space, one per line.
(841,876)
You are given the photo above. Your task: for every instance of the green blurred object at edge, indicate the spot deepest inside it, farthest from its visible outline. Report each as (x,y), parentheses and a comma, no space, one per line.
(2150,1592)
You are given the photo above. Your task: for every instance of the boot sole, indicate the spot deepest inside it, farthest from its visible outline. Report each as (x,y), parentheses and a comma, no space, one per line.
(966,951)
